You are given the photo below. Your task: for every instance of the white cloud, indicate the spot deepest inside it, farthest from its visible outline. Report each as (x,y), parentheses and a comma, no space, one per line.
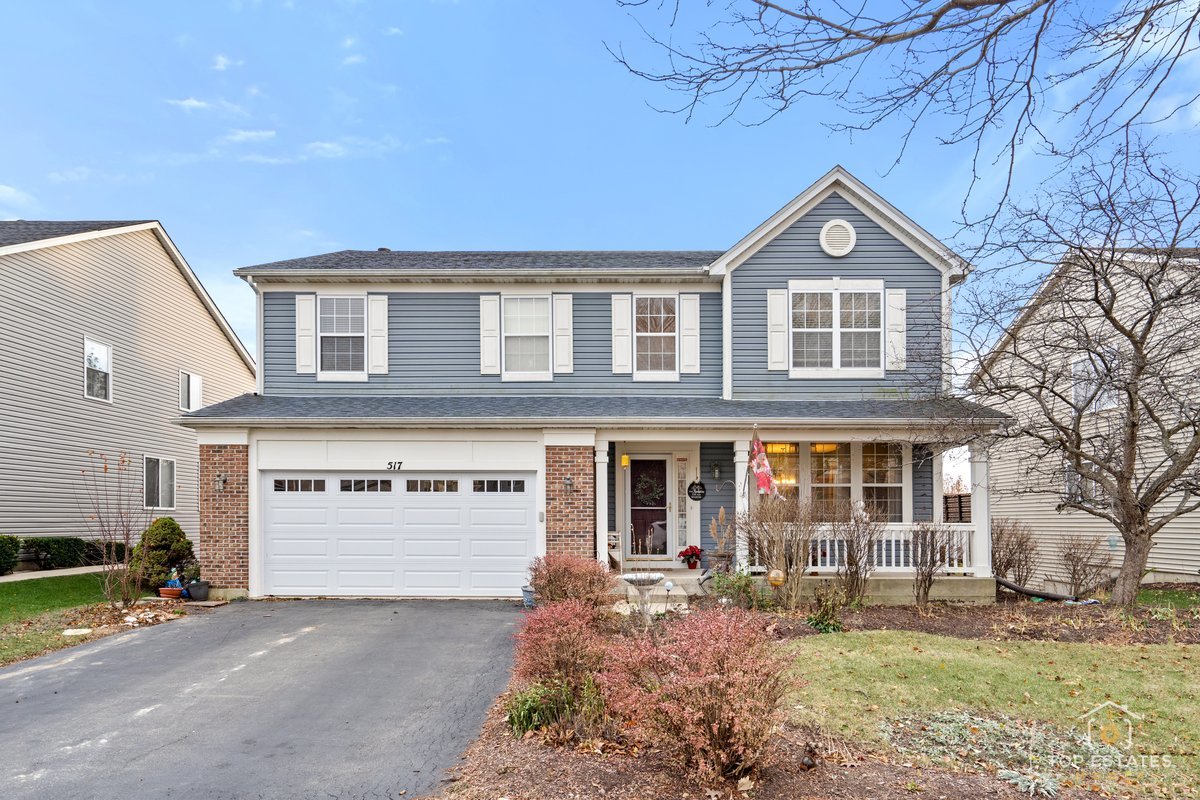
(434,140)
(70,175)
(13,200)
(351,60)
(239,136)
(188,104)
(344,147)
(222,62)
(393,31)
(349,42)
(325,150)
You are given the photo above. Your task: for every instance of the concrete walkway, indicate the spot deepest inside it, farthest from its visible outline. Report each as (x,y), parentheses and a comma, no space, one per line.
(31,574)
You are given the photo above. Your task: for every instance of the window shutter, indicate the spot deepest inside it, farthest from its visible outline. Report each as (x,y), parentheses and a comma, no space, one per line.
(897,327)
(306,334)
(777,330)
(689,334)
(564,326)
(489,334)
(377,334)
(195,392)
(622,334)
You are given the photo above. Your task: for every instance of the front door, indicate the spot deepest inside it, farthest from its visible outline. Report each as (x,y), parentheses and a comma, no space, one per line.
(649,509)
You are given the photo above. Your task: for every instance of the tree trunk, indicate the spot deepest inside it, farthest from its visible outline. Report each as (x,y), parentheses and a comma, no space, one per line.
(1133,567)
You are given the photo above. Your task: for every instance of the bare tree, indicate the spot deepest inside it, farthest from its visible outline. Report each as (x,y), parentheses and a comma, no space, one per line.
(112,502)
(1099,370)
(856,536)
(931,552)
(1062,75)
(1084,562)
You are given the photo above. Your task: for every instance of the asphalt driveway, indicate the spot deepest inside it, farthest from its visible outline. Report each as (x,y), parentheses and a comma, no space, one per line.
(300,699)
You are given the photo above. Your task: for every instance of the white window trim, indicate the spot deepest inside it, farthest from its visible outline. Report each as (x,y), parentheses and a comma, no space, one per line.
(174,482)
(836,286)
(330,375)
(805,484)
(906,478)
(86,396)
(191,376)
(660,376)
(505,373)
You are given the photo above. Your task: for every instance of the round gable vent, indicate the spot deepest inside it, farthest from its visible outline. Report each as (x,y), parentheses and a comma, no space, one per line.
(837,237)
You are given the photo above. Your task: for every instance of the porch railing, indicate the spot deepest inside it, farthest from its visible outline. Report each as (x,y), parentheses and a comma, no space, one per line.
(894,551)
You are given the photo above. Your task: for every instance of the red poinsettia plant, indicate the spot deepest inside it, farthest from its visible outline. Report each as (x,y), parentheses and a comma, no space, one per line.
(691,554)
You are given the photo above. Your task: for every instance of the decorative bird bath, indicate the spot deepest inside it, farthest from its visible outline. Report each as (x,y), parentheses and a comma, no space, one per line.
(643,582)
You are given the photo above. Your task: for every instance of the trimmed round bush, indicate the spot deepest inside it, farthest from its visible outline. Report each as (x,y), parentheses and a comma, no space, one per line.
(558,578)
(560,642)
(163,547)
(10,546)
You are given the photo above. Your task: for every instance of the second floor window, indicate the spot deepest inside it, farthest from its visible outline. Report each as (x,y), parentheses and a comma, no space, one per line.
(97,370)
(526,333)
(836,330)
(190,393)
(342,331)
(654,330)
(1093,388)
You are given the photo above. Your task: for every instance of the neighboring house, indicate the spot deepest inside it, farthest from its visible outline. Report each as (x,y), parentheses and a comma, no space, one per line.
(109,338)
(1050,365)
(428,422)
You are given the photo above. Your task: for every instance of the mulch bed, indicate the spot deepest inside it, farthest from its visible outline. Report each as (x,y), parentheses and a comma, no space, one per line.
(498,765)
(1018,620)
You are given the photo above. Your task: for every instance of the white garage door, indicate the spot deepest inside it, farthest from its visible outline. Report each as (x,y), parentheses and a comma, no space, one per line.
(395,534)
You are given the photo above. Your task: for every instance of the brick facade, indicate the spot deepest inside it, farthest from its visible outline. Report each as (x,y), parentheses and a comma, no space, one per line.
(571,515)
(224,548)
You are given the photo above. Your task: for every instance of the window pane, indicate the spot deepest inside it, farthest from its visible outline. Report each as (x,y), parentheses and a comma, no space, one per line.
(166,486)
(346,315)
(385,486)
(812,310)
(343,354)
(784,458)
(477,486)
(346,485)
(97,384)
(829,463)
(884,502)
(883,462)
(527,353)
(860,309)
(150,479)
(861,349)
(654,315)
(655,353)
(812,350)
(97,356)
(184,390)
(280,486)
(518,486)
(527,315)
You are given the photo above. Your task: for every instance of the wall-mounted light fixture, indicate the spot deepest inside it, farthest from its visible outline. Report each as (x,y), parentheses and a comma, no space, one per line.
(569,483)
(716,471)
(624,460)
(219,482)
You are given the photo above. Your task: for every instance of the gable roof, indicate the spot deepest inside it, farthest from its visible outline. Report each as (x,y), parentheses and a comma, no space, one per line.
(410,263)
(20,235)
(863,198)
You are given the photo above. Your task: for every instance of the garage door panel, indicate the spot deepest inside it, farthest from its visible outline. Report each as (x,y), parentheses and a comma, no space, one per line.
(366,548)
(439,538)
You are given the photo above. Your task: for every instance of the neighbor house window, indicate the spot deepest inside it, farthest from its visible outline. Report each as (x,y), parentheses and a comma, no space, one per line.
(655,340)
(526,333)
(158,479)
(190,393)
(836,328)
(342,329)
(883,480)
(1091,376)
(830,476)
(1079,489)
(97,370)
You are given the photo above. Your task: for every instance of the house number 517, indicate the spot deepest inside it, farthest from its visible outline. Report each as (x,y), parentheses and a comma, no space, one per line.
(395,464)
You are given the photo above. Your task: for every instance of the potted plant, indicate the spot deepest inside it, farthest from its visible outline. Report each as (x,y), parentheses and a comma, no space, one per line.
(691,556)
(173,587)
(196,589)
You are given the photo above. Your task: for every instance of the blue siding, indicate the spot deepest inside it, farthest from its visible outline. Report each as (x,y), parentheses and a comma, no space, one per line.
(796,254)
(612,486)
(922,473)
(720,493)
(433,340)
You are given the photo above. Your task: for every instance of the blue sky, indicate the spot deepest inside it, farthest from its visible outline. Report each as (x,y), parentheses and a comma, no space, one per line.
(257,131)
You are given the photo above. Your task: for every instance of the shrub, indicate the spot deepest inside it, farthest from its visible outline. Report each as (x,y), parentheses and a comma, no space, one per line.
(931,543)
(163,547)
(96,552)
(58,552)
(543,706)
(827,611)
(1014,550)
(708,691)
(560,642)
(780,533)
(1085,563)
(558,578)
(10,546)
(858,535)
(742,590)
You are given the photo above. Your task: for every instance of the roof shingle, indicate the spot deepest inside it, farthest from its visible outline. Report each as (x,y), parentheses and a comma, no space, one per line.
(534,260)
(23,231)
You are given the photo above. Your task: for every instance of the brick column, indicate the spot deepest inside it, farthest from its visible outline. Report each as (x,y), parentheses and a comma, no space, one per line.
(224,547)
(571,514)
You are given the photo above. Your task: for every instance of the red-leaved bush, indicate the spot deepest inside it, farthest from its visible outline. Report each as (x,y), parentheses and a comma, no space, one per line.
(708,690)
(557,578)
(560,642)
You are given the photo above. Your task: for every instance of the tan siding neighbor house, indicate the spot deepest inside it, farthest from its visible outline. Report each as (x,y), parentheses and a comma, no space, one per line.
(109,338)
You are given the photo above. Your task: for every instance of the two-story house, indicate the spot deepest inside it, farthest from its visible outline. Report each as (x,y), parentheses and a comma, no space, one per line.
(110,338)
(428,422)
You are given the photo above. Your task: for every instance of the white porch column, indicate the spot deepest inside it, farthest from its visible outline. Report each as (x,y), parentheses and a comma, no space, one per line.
(741,499)
(981,513)
(602,501)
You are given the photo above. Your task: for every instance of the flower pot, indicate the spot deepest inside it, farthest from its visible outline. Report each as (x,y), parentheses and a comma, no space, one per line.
(170,592)
(527,596)
(198,590)
(693,564)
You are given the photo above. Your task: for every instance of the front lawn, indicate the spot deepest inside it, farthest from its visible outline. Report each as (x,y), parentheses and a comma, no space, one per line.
(1175,596)
(861,684)
(24,599)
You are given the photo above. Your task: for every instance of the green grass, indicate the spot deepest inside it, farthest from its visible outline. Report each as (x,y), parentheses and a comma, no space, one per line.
(857,681)
(25,599)
(1175,598)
